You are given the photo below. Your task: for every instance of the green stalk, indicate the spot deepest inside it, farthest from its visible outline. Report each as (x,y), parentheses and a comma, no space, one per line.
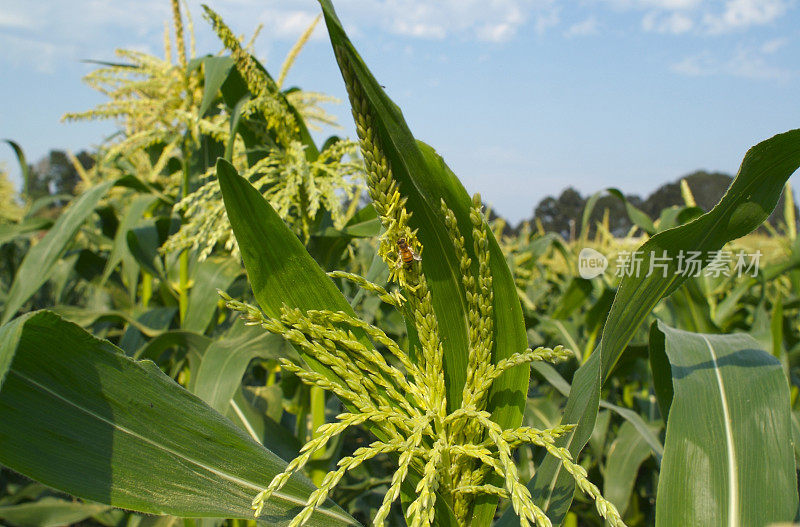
(788,212)
(183,272)
(147,287)
(317,403)
(305,220)
(147,278)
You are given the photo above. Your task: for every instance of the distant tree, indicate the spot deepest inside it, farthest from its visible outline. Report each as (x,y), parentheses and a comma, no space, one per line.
(55,173)
(561,214)
(707,189)
(556,214)
(618,222)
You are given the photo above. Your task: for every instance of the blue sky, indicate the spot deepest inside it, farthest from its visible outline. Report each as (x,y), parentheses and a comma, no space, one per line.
(521,97)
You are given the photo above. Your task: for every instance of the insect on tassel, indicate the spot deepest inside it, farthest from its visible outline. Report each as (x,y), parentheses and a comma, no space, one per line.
(407,254)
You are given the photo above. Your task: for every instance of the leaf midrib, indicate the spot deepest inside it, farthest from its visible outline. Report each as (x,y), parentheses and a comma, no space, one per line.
(224,475)
(733,486)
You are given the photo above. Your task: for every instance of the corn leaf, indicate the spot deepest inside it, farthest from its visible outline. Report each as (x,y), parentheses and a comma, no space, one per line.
(728,456)
(625,455)
(78,415)
(49,512)
(41,258)
(208,276)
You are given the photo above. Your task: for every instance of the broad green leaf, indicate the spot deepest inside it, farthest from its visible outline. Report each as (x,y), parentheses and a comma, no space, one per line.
(690,308)
(776,327)
(597,441)
(155,320)
(143,243)
(728,456)
(750,199)
(89,317)
(208,276)
(133,215)
(625,455)
(645,430)
(216,73)
(43,202)
(225,361)
(748,202)
(796,437)
(188,340)
(577,293)
(279,268)
(674,216)
(262,427)
(236,118)
(76,414)
(25,228)
(587,214)
(40,259)
(327,245)
(49,512)
(281,272)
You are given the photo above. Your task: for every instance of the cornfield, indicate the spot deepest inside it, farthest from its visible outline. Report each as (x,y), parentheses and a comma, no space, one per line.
(230,324)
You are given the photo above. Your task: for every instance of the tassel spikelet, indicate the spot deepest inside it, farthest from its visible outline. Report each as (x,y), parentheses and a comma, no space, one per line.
(261,86)
(10,209)
(147,97)
(459,456)
(295,51)
(403,400)
(157,106)
(180,43)
(297,187)
(382,187)
(327,182)
(394,298)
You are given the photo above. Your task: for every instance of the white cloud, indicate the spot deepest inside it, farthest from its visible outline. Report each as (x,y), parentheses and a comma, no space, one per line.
(545,20)
(741,14)
(696,65)
(752,64)
(772,46)
(712,17)
(748,62)
(496,32)
(48,34)
(56,32)
(666,5)
(11,19)
(583,28)
(673,23)
(487,20)
(288,24)
(19,51)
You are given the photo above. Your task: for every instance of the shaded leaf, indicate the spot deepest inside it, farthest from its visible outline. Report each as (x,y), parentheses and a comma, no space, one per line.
(39,261)
(728,456)
(79,416)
